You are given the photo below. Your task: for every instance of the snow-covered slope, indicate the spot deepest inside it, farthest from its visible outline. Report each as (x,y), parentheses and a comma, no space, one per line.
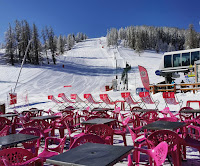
(88,67)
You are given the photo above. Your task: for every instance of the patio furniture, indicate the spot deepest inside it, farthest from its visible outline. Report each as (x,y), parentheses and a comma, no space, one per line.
(186,114)
(171,99)
(91,100)
(18,157)
(66,99)
(176,144)
(5,131)
(130,100)
(91,154)
(158,154)
(192,138)
(98,121)
(60,125)
(162,125)
(52,151)
(149,117)
(32,145)
(107,100)
(14,139)
(87,138)
(147,99)
(102,130)
(58,103)
(42,125)
(189,102)
(121,130)
(79,101)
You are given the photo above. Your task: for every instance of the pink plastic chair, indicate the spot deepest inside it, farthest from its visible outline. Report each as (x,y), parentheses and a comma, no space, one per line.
(186,117)
(102,130)
(176,144)
(130,100)
(48,151)
(72,129)
(42,125)
(158,154)
(87,138)
(32,145)
(4,122)
(170,99)
(147,99)
(193,137)
(18,157)
(149,117)
(138,141)
(122,129)
(5,131)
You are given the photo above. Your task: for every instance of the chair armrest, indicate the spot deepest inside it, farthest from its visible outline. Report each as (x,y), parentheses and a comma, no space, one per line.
(53,139)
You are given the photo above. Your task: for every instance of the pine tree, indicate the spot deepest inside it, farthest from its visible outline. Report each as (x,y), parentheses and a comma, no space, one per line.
(36,44)
(10,43)
(70,41)
(45,37)
(52,44)
(191,40)
(18,31)
(61,45)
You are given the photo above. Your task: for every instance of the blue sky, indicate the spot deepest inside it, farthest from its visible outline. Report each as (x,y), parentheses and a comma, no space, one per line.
(94,17)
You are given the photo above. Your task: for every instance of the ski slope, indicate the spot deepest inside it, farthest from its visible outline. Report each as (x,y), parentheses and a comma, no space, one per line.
(88,67)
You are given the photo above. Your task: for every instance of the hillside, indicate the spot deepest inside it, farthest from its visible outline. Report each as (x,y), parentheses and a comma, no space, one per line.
(88,67)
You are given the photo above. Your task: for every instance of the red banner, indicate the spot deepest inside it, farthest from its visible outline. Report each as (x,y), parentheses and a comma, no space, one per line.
(144,77)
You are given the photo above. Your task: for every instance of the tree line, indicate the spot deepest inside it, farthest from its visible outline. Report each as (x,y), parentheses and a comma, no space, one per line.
(160,39)
(41,44)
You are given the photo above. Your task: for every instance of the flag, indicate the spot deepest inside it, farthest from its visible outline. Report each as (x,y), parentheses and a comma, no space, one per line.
(144,77)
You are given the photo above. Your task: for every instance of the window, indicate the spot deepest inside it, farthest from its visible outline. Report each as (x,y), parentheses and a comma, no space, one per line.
(167,61)
(186,59)
(194,57)
(176,60)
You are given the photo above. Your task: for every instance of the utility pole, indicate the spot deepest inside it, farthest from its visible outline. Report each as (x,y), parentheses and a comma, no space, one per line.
(23,62)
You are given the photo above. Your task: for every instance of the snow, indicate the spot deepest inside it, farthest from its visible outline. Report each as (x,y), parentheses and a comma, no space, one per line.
(88,67)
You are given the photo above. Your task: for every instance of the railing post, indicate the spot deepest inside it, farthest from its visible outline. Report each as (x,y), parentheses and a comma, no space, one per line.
(154,89)
(174,88)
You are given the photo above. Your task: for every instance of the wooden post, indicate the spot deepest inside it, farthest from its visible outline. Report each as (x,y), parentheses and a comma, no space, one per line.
(174,88)
(154,89)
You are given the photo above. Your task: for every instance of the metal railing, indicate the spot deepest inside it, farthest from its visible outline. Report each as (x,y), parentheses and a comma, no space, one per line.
(175,87)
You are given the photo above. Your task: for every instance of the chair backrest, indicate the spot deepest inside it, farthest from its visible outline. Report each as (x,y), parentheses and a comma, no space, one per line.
(4,122)
(60,147)
(194,132)
(90,98)
(65,98)
(158,154)
(169,98)
(146,98)
(76,98)
(39,124)
(101,130)
(150,116)
(128,98)
(185,116)
(15,155)
(5,131)
(51,97)
(87,138)
(170,137)
(105,98)
(33,144)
